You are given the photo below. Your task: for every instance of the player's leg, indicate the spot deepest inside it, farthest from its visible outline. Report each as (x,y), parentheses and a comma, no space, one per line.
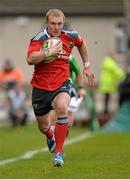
(41,106)
(60,105)
(53,117)
(70,111)
(70,119)
(45,127)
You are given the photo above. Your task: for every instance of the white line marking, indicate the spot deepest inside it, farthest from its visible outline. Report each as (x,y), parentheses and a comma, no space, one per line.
(30,154)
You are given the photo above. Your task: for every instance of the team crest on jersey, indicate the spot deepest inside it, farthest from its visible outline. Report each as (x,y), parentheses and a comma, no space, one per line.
(71,45)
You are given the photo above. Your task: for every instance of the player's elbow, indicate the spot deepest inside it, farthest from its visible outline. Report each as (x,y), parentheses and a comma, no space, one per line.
(30,60)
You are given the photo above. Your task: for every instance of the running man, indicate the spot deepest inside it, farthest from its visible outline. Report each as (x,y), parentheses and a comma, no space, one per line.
(50,82)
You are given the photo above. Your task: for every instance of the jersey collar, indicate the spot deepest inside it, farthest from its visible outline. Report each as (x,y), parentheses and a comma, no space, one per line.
(48,35)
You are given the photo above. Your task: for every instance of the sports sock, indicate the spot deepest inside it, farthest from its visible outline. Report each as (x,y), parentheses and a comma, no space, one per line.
(60,133)
(67,133)
(49,133)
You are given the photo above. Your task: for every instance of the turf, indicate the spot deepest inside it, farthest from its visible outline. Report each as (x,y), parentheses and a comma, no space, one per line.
(103,156)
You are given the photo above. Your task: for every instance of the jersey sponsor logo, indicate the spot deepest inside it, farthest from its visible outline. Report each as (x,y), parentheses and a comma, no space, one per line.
(63,55)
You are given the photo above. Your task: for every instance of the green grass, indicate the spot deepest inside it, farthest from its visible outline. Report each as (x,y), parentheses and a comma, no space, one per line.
(104,156)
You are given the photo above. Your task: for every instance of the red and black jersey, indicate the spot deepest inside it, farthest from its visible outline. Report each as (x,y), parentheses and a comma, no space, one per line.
(50,76)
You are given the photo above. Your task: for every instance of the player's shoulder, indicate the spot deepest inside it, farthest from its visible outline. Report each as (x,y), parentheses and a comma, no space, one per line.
(71,33)
(40,36)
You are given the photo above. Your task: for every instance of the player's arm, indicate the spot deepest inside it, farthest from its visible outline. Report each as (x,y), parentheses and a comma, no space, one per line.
(81,90)
(36,55)
(87,70)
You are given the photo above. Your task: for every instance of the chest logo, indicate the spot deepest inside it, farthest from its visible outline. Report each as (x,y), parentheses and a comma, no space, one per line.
(71,45)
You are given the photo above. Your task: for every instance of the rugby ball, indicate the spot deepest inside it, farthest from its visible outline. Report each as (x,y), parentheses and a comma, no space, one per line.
(54,41)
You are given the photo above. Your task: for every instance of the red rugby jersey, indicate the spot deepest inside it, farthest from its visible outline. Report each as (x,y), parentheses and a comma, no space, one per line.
(50,76)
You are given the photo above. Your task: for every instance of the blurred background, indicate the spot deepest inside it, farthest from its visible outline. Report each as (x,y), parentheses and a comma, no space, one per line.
(105,25)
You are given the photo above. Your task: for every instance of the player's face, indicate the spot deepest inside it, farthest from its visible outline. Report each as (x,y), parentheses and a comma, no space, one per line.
(55,25)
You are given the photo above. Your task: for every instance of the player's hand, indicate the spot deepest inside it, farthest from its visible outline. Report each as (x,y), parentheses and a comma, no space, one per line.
(81,92)
(91,79)
(55,50)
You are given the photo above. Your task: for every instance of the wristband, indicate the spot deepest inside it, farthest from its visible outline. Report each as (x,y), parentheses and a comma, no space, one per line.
(87,64)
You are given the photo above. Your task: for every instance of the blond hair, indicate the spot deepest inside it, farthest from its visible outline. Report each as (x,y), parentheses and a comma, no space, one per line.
(54,12)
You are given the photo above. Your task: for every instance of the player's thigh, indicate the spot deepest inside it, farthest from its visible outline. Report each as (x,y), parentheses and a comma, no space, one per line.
(62,100)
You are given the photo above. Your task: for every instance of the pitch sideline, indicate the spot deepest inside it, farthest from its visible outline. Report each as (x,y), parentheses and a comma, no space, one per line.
(30,154)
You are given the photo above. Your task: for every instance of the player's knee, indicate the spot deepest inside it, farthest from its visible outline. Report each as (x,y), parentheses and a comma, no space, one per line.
(62,110)
(43,129)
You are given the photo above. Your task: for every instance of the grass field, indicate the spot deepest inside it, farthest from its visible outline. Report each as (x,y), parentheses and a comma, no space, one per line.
(101,156)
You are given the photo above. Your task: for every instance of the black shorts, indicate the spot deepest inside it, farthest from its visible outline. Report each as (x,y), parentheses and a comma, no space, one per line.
(42,99)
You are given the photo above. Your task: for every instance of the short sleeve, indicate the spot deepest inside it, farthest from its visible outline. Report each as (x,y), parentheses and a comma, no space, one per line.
(33,46)
(75,37)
